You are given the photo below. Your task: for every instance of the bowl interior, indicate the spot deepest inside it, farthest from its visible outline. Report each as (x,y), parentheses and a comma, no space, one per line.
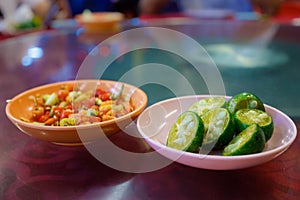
(156,121)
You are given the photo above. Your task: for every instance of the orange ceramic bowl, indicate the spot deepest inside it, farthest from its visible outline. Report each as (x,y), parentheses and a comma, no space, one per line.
(100,21)
(21,107)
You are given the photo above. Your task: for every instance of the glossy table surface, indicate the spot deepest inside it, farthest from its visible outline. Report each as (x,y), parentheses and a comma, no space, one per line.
(33,169)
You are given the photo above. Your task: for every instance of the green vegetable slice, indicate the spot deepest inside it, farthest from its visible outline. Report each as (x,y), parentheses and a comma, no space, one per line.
(219,128)
(206,104)
(187,132)
(52,99)
(245,117)
(244,100)
(249,141)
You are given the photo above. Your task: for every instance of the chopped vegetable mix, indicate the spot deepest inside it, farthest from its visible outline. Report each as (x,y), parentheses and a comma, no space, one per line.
(69,107)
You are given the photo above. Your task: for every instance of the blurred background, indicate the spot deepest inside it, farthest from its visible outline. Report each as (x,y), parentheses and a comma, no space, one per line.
(251,41)
(26,14)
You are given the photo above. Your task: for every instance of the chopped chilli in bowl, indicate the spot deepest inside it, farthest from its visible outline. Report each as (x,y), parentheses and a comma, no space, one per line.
(69,107)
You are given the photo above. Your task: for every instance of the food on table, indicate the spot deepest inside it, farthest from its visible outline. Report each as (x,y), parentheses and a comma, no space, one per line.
(69,107)
(245,117)
(244,100)
(35,22)
(206,104)
(250,140)
(187,132)
(22,19)
(237,127)
(219,128)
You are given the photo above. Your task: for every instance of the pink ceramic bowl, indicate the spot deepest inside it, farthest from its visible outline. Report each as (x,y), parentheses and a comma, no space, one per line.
(155,122)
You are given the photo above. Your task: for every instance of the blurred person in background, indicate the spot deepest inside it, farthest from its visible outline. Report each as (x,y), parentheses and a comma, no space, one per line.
(281,10)
(148,7)
(154,7)
(266,7)
(73,7)
(39,7)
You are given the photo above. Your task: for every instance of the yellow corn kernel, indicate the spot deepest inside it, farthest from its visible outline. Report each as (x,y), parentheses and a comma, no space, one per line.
(105,108)
(111,113)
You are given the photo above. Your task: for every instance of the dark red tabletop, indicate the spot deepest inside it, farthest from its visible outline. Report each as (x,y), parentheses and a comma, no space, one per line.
(33,169)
